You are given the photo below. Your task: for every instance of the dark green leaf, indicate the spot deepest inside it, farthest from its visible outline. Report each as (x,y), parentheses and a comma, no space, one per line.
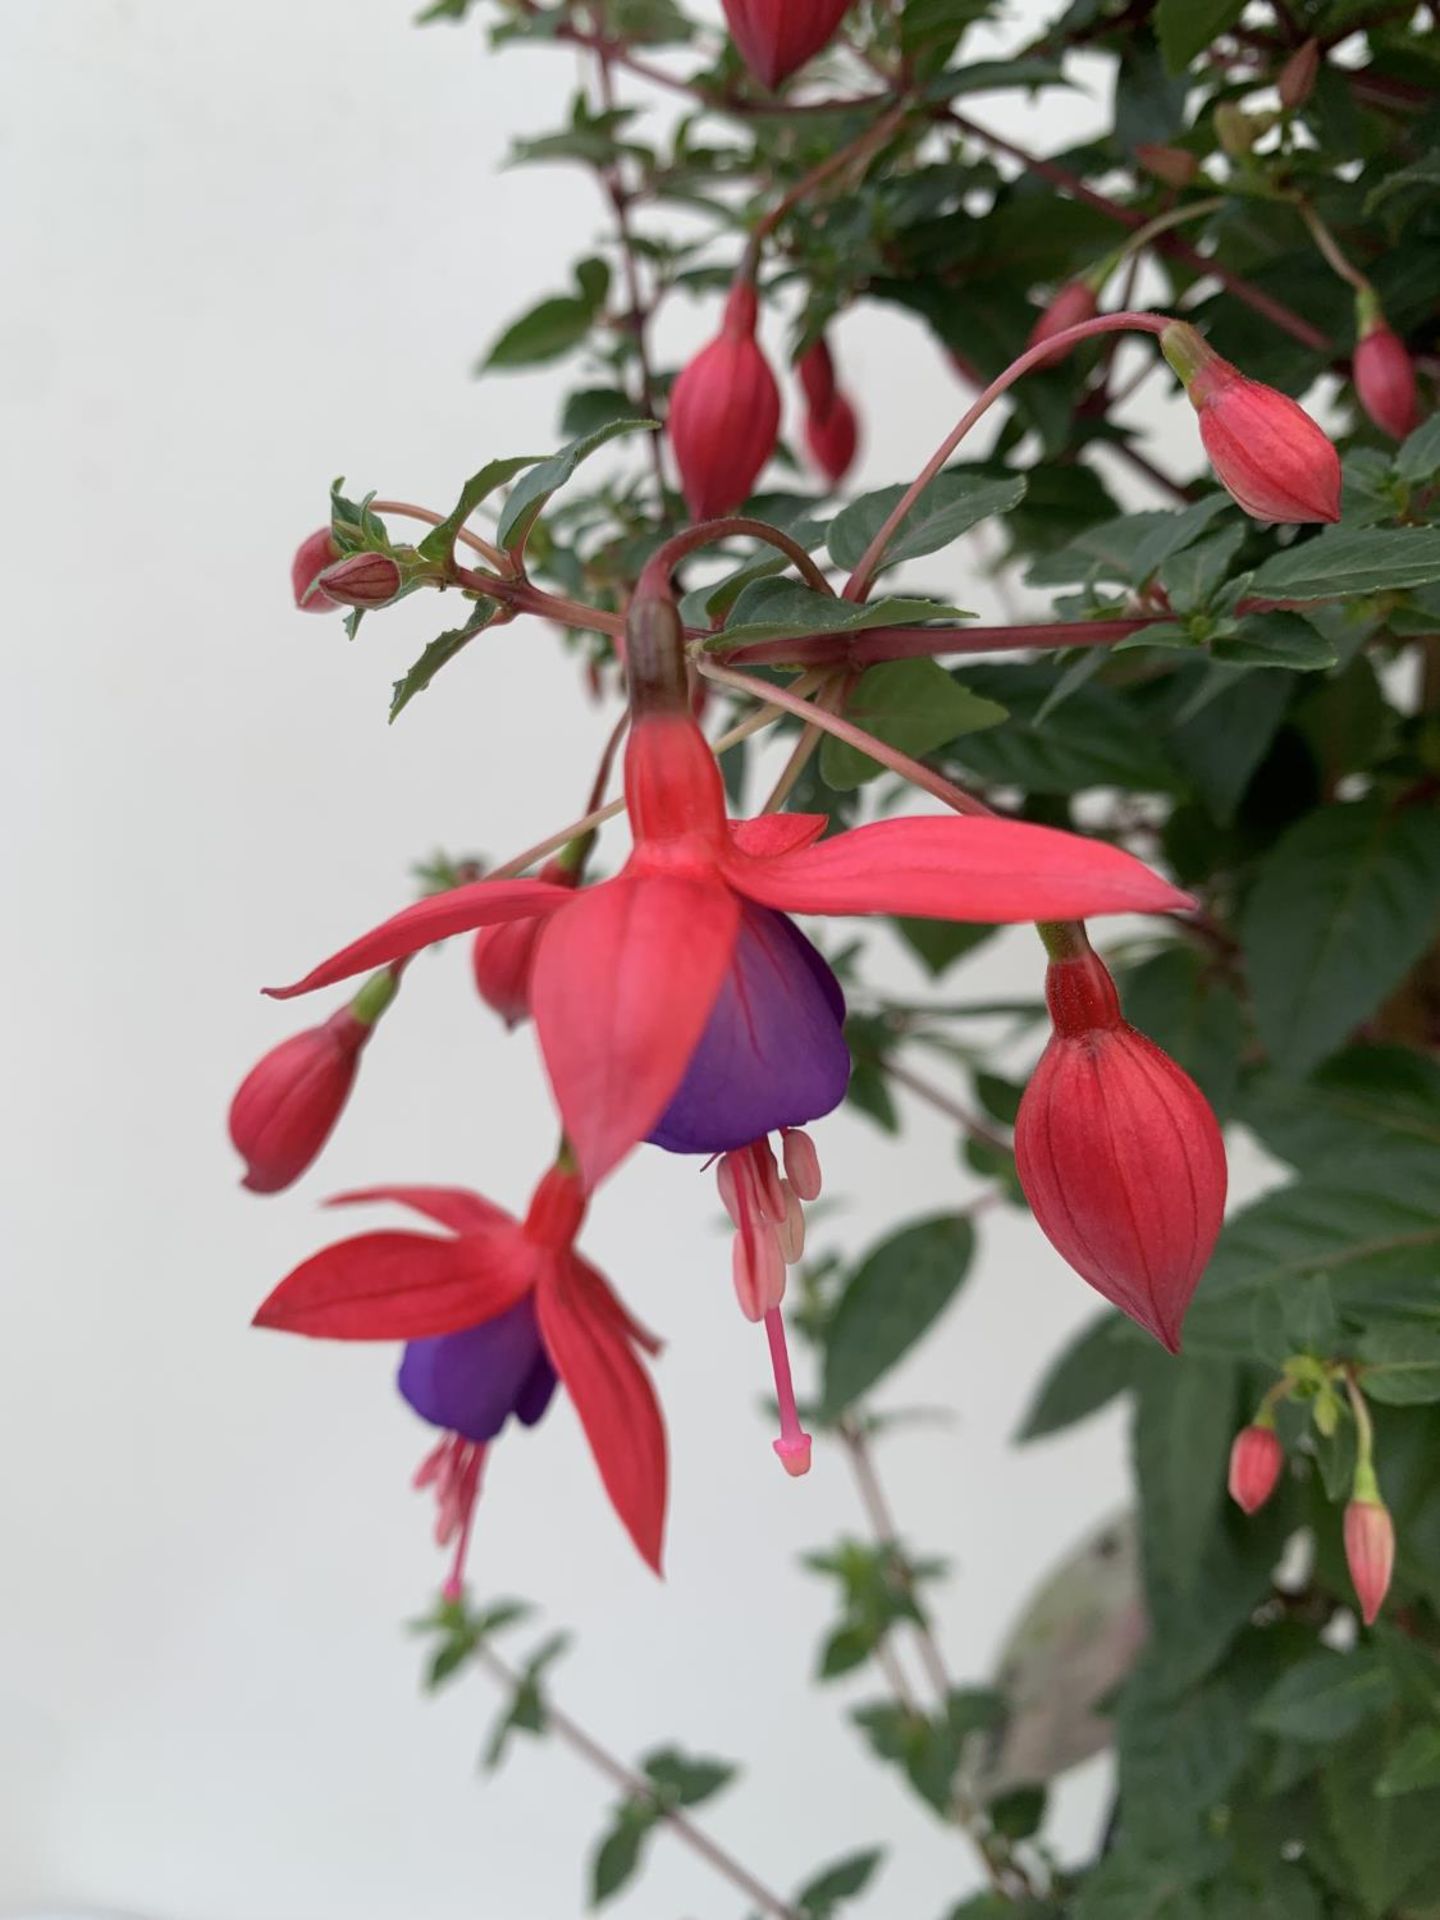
(440,652)
(439,543)
(954,502)
(683,1781)
(1187,27)
(1419,457)
(1414,1765)
(548,331)
(1352,561)
(819,1898)
(1276,640)
(910,704)
(529,495)
(1362,1099)
(892,1300)
(1326,1696)
(787,610)
(618,1858)
(1190,1010)
(1101,1362)
(1096,739)
(940,943)
(1402,1362)
(1344,904)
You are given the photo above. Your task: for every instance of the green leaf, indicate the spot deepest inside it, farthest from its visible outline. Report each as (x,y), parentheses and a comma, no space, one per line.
(1276,640)
(547,332)
(1018,1814)
(1326,1697)
(1096,739)
(1187,27)
(528,497)
(895,1296)
(953,503)
(1101,1362)
(1402,1362)
(1385,1843)
(1222,728)
(1349,561)
(1185,1421)
(913,705)
(1416,181)
(819,1898)
(617,1860)
(788,610)
(1413,1766)
(440,652)
(439,543)
(940,943)
(1363,1099)
(1419,457)
(1343,906)
(681,1781)
(1134,1886)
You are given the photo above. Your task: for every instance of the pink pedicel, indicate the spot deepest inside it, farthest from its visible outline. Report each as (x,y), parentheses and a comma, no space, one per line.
(454,1470)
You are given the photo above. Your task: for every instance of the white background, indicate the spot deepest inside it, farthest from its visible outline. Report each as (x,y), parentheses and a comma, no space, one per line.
(247,247)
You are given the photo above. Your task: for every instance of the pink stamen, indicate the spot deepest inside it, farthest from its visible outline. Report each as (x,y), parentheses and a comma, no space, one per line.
(794,1445)
(765,1209)
(454,1469)
(802,1163)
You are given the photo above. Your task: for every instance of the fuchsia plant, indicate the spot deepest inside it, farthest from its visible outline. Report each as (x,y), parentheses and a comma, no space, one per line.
(1195,751)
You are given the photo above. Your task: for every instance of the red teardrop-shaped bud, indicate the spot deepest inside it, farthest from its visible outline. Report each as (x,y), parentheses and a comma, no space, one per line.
(1119,1154)
(832,432)
(1296,80)
(1267,452)
(1369,1553)
(1076,301)
(1384,377)
(776,37)
(1256,1459)
(362,580)
(725,414)
(289,1102)
(503,956)
(1173,165)
(312,557)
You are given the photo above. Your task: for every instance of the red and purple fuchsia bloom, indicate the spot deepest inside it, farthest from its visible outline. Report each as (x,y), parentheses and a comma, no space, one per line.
(494,1314)
(677,1002)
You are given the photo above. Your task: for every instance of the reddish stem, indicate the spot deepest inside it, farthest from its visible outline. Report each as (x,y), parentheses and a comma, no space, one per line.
(876,644)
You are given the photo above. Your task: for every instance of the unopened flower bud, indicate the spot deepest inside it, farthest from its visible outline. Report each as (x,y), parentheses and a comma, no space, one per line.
(1256,1459)
(1236,130)
(1076,301)
(832,432)
(725,413)
(1297,77)
(1383,371)
(312,557)
(777,37)
(1369,1550)
(1119,1154)
(1172,165)
(1267,452)
(504,956)
(362,580)
(287,1105)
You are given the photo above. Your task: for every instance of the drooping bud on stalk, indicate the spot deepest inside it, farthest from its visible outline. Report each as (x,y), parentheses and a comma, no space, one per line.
(1172,165)
(1267,452)
(725,412)
(832,432)
(1076,302)
(504,956)
(312,556)
(777,37)
(1383,370)
(1256,1460)
(362,580)
(1296,81)
(1119,1153)
(287,1105)
(1369,1544)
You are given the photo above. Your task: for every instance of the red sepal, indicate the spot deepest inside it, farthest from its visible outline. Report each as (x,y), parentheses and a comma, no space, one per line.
(454,1207)
(402,1286)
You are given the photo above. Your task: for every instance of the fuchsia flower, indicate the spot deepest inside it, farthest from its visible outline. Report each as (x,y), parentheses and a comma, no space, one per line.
(832,432)
(725,412)
(503,956)
(1370,1552)
(493,1313)
(288,1104)
(777,37)
(1256,1460)
(312,556)
(1267,452)
(1384,373)
(1077,301)
(628,974)
(1119,1154)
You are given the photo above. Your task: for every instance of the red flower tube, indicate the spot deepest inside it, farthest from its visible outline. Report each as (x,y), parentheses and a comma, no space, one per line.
(725,413)
(503,956)
(832,431)
(1076,302)
(1267,452)
(777,37)
(1119,1154)
(1384,373)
